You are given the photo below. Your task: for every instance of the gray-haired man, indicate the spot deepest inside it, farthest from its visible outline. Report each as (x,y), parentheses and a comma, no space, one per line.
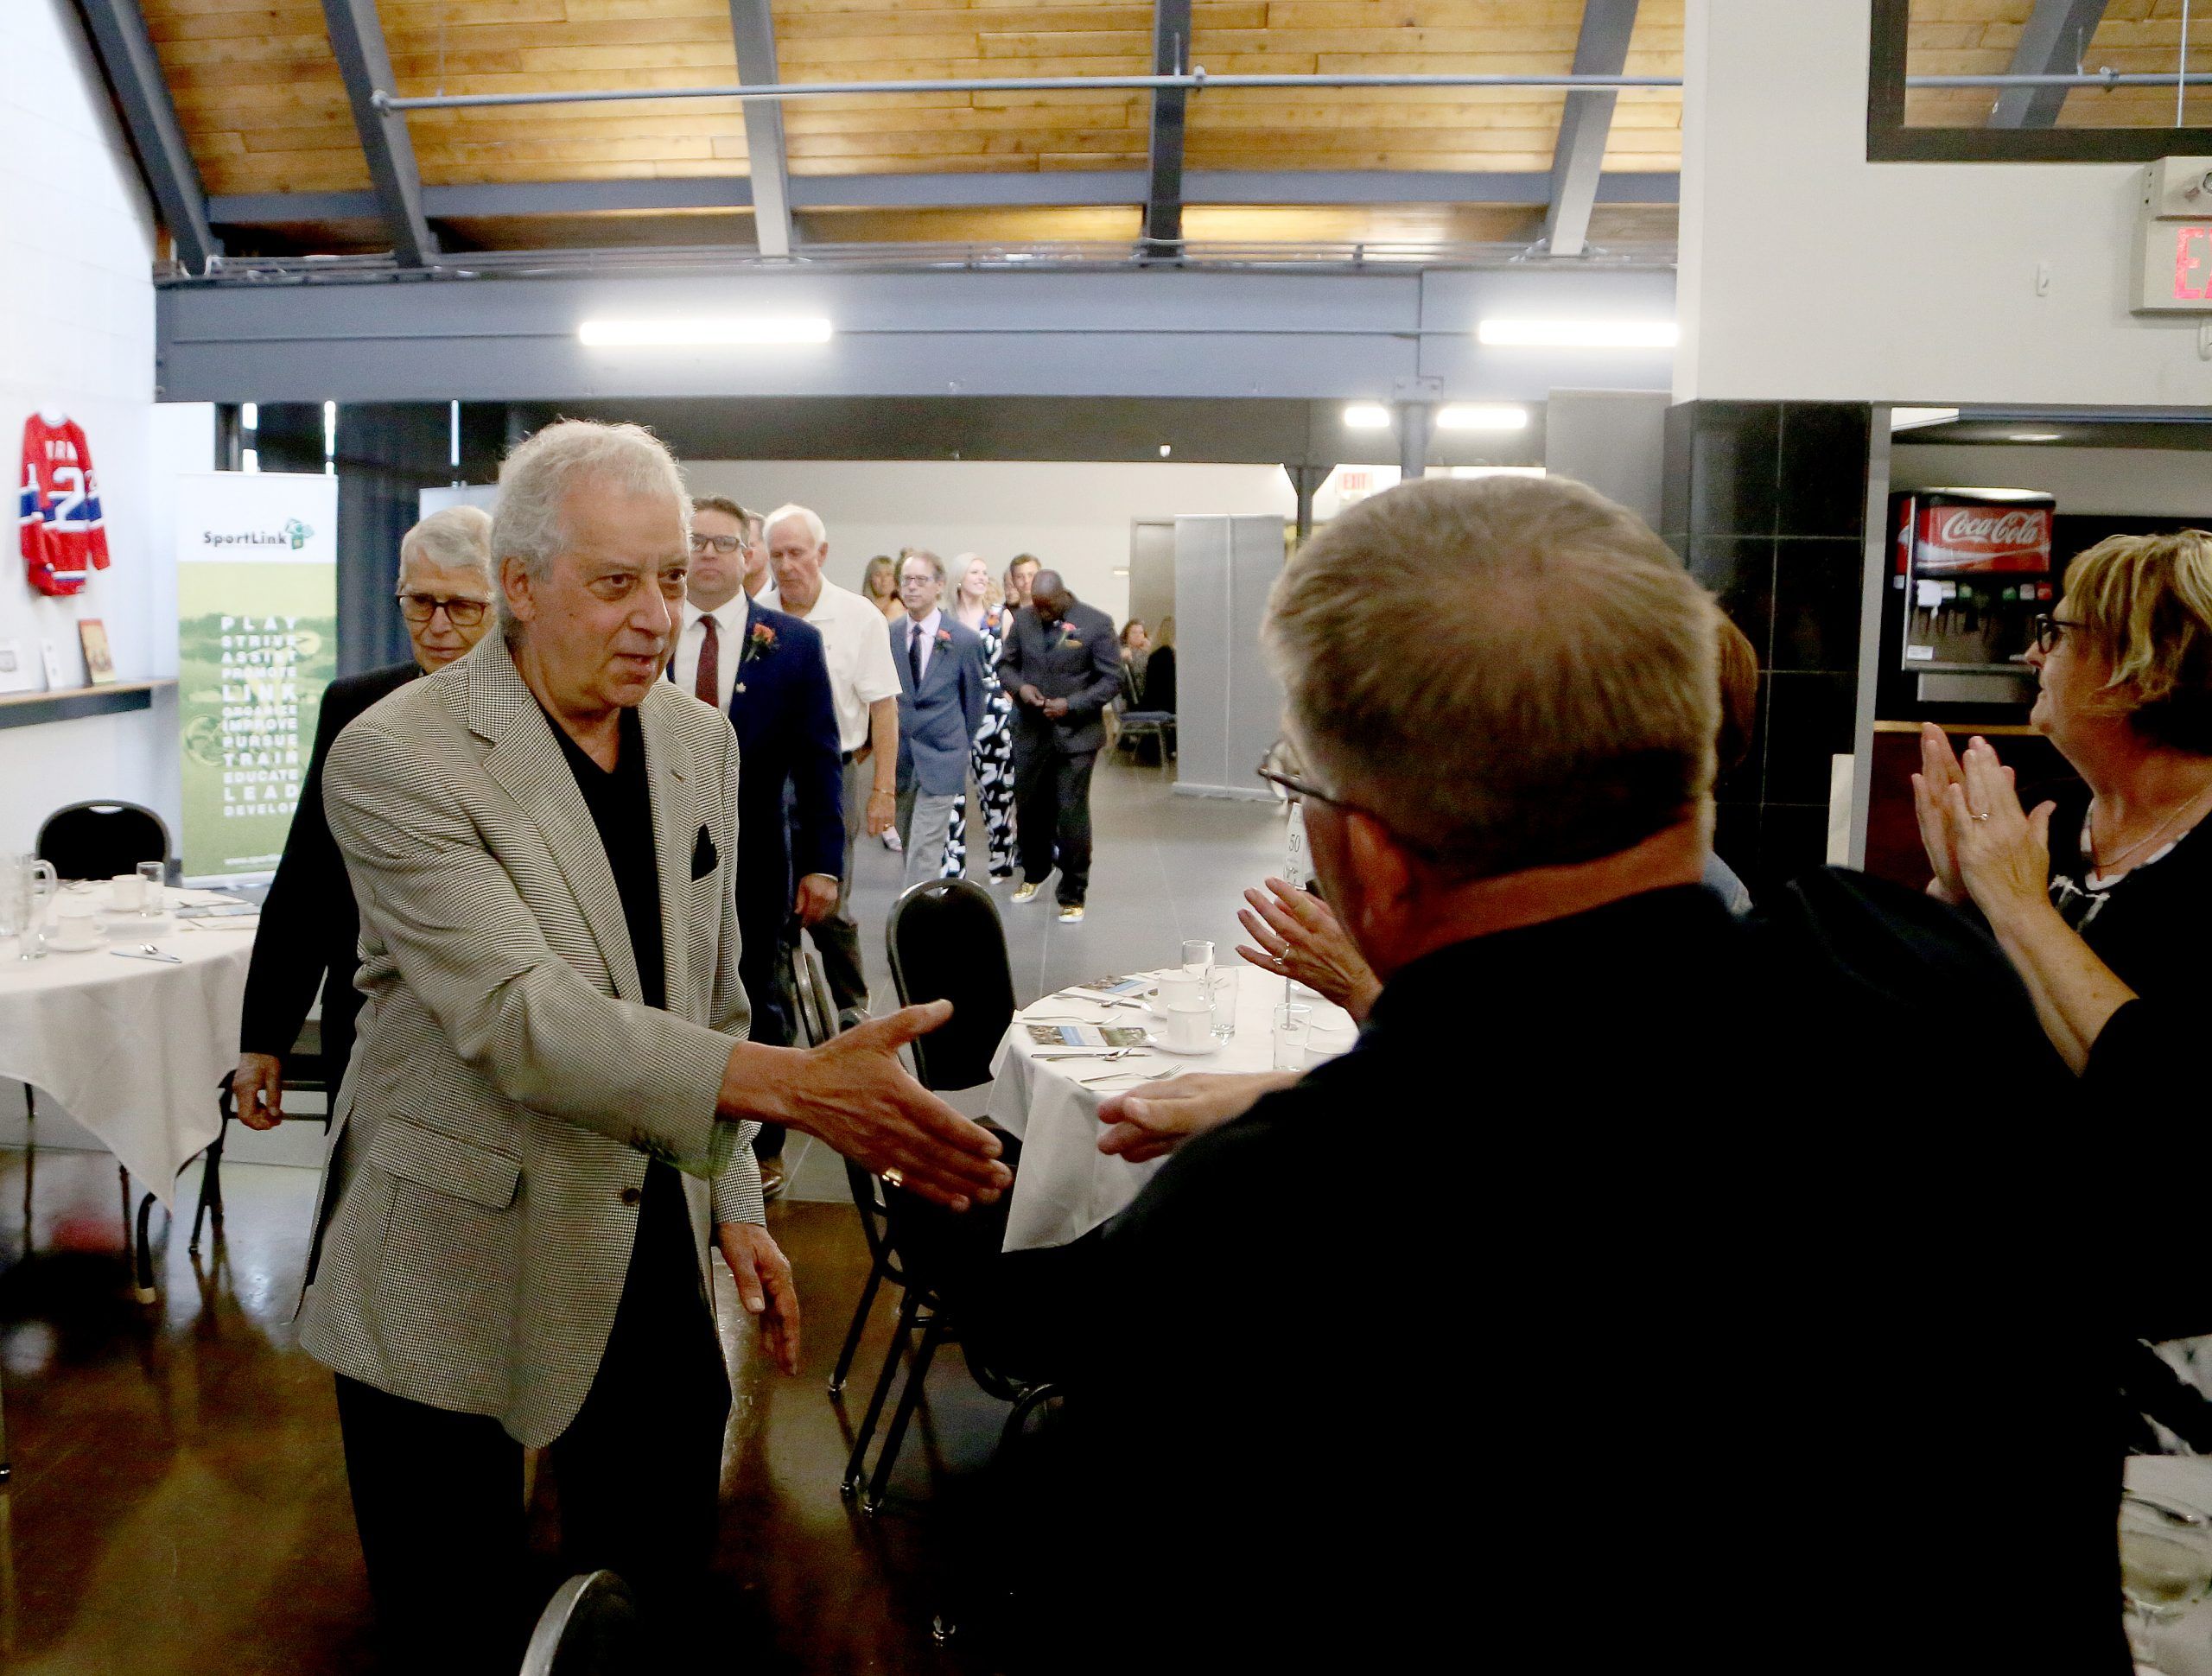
(548,1108)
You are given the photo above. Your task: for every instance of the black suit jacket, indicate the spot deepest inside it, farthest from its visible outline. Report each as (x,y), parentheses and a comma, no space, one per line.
(1077,660)
(309,926)
(1722,1275)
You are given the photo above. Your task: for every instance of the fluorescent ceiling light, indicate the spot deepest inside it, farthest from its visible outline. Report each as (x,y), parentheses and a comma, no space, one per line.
(1579,334)
(2034,436)
(1367,415)
(1914,418)
(1462,415)
(688,334)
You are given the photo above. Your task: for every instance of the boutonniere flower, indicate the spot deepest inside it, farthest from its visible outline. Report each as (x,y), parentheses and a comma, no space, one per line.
(945,637)
(1072,640)
(759,642)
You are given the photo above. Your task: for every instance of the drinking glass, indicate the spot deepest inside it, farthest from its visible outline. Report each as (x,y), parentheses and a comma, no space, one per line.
(1198,956)
(28,887)
(150,902)
(2166,1567)
(1223,987)
(1291,1024)
(1326,1041)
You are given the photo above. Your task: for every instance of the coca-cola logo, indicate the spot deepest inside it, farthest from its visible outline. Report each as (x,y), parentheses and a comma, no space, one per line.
(2013,529)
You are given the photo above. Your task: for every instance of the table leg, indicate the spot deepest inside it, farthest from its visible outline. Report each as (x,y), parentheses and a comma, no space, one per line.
(147,1292)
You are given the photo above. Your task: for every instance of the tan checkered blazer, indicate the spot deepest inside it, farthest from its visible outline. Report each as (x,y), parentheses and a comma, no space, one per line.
(480,1196)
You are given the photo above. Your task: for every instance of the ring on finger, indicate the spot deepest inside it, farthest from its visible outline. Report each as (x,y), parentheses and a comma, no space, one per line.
(895,1176)
(1983,816)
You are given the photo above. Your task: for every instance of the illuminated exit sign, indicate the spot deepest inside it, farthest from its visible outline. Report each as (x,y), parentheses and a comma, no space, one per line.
(2173,251)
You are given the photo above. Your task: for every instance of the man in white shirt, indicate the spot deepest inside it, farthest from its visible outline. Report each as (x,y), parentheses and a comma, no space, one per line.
(864,687)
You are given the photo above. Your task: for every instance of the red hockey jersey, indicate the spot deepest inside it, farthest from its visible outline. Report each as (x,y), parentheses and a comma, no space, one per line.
(64,539)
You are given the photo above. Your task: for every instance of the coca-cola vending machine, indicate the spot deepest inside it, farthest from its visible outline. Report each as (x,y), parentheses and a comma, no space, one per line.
(1975,565)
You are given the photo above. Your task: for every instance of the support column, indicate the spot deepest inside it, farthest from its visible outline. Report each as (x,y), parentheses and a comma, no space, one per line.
(1413,440)
(1306,480)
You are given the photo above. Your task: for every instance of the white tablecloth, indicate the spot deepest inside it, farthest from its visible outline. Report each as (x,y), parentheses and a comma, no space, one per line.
(1066,1186)
(132,1048)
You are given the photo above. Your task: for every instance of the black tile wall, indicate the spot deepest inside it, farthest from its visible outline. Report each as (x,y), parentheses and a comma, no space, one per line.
(1766,502)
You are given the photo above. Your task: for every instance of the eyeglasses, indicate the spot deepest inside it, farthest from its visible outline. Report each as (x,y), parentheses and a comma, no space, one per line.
(2047,628)
(724,545)
(462,613)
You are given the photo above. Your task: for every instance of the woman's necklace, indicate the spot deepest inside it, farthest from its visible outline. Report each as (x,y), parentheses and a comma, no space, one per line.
(2102,867)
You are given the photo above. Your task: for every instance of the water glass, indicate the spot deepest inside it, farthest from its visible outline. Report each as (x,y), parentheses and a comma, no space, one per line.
(1325,1041)
(28,887)
(1223,987)
(151,902)
(1198,956)
(1292,1023)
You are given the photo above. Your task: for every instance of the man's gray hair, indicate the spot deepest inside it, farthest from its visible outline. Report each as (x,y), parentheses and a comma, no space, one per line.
(456,538)
(815,528)
(536,477)
(1509,673)
(935,563)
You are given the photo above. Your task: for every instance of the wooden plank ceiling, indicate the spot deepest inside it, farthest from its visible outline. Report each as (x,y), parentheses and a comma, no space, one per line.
(259,96)
(1975,37)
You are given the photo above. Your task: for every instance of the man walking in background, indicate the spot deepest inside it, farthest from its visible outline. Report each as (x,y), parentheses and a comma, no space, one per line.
(1064,669)
(766,672)
(1019,576)
(309,927)
(941,702)
(864,687)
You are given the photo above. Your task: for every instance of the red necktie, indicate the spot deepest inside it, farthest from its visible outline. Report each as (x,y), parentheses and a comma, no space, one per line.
(710,660)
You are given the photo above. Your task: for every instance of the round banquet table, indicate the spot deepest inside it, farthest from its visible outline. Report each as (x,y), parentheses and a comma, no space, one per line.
(1066,1186)
(133,1049)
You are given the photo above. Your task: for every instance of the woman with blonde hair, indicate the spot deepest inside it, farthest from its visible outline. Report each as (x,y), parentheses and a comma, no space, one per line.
(978,602)
(879,585)
(2098,897)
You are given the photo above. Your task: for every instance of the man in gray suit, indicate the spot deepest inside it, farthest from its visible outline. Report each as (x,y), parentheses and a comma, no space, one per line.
(941,702)
(549,1104)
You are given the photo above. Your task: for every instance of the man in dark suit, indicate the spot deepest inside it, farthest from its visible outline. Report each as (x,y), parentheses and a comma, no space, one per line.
(1060,662)
(765,670)
(941,702)
(1710,1217)
(309,926)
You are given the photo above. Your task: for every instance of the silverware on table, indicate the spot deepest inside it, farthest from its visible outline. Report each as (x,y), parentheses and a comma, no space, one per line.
(1131,1076)
(147,952)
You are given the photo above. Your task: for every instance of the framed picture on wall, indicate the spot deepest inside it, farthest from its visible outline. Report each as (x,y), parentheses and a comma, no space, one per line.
(99,660)
(18,673)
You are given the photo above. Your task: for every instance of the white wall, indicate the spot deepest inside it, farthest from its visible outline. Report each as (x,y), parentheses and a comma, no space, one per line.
(2122,482)
(77,334)
(1075,517)
(1808,272)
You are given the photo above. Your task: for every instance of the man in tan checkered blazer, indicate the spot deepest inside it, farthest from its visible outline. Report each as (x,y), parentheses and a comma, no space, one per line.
(547,1110)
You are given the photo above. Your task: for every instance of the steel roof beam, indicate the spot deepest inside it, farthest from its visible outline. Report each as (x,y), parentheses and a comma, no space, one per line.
(1163,198)
(2055,36)
(357,39)
(126,53)
(766,161)
(1584,125)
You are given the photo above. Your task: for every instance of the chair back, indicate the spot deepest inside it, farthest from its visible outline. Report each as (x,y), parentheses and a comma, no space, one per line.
(589,1628)
(946,944)
(871,1197)
(102,838)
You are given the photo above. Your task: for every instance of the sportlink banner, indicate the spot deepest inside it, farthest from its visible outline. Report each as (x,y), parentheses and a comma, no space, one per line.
(257,602)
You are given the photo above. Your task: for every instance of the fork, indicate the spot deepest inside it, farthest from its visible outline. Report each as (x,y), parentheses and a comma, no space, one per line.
(1133,1075)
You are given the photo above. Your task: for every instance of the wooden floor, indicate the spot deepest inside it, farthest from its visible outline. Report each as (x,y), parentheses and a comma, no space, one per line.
(179,1501)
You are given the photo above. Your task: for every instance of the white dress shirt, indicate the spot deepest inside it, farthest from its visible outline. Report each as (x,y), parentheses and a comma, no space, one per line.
(928,627)
(729,628)
(856,645)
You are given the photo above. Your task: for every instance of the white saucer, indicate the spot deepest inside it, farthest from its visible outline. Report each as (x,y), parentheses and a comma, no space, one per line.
(55,945)
(1210,1047)
(137,927)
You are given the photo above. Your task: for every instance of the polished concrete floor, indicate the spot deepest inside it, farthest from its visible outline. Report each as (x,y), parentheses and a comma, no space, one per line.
(179,1500)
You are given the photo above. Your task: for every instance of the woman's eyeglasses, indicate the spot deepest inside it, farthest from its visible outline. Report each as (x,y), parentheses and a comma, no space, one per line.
(2047,632)
(724,545)
(462,613)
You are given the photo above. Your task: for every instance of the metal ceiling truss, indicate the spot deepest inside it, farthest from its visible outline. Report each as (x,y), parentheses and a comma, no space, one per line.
(2057,35)
(765,161)
(1086,188)
(357,39)
(1578,155)
(126,53)
(1163,201)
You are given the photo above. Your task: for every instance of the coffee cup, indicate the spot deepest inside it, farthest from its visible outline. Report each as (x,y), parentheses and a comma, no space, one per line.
(126,893)
(1183,989)
(1188,1029)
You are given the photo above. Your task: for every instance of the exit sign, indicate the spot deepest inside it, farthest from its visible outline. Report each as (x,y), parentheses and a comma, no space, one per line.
(2174,275)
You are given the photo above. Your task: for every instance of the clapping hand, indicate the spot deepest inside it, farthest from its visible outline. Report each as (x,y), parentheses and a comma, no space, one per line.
(2003,853)
(854,1094)
(1300,938)
(1931,788)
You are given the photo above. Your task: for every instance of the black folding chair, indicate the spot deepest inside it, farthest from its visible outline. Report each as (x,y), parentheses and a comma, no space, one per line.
(305,1072)
(946,944)
(100,839)
(590,1628)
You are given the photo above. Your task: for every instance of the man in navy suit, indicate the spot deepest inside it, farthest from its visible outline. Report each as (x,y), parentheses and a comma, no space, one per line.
(941,702)
(765,670)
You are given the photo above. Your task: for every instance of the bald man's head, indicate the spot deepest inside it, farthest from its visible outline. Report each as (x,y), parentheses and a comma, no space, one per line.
(1049,596)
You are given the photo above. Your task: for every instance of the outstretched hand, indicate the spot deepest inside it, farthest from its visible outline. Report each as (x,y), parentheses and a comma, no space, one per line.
(1300,937)
(1150,1124)
(854,1094)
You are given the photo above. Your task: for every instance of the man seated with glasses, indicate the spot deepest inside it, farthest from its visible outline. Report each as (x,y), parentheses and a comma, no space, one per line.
(309,925)
(1696,1310)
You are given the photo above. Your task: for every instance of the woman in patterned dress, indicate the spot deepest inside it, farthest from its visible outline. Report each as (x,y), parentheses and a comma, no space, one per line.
(978,603)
